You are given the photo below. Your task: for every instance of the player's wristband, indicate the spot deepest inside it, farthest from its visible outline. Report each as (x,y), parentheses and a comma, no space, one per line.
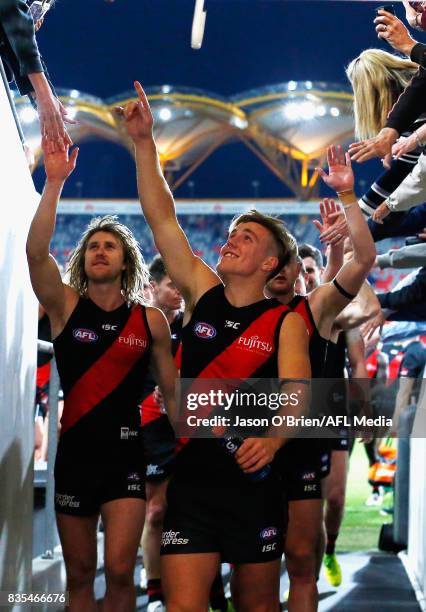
(347,198)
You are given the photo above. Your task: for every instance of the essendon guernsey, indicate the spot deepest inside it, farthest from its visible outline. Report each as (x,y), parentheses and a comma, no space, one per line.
(102,360)
(223,341)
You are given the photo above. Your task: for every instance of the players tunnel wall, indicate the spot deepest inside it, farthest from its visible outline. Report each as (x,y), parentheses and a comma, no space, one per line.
(18,321)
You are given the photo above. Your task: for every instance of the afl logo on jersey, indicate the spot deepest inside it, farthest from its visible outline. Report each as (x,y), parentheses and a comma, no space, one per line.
(84,335)
(205,331)
(269,533)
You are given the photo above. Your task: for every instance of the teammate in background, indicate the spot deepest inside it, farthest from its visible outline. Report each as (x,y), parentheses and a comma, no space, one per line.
(300,286)
(335,473)
(159,438)
(357,369)
(320,308)
(105,338)
(42,388)
(215,511)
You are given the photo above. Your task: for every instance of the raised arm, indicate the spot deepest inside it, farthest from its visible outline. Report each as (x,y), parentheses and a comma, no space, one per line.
(45,276)
(335,251)
(336,295)
(190,274)
(164,367)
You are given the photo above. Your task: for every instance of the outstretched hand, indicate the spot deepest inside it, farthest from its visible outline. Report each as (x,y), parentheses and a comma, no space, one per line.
(58,164)
(327,209)
(340,176)
(53,116)
(334,228)
(379,146)
(137,116)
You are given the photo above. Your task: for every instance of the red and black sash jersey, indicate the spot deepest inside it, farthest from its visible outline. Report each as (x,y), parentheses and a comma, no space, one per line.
(222,341)
(150,409)
(102,360)
(317,344)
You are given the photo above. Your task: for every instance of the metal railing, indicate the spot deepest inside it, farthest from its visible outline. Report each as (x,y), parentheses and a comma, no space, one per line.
(52,443)
(11,102)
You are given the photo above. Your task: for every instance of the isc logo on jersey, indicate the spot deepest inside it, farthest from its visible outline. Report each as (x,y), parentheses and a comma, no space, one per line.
(205,331)
(84,335)
(109,327)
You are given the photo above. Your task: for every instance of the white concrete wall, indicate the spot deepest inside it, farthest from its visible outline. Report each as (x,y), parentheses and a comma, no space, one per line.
(18,334)
(417,512)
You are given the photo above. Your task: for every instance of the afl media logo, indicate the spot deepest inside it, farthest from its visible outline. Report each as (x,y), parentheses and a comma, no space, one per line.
(205,331)
(84,335)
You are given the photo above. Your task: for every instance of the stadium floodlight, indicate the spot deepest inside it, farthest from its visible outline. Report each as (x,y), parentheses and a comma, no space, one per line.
(198,24)
(304,110)
(165,114)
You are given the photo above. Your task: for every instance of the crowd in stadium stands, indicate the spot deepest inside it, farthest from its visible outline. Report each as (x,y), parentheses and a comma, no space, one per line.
(205,234)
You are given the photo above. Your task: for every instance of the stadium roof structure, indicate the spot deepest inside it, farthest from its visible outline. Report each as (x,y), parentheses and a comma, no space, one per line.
(292,124)
(288,126)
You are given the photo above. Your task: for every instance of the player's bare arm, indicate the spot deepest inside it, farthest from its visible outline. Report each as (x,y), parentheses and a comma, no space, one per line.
(190,274)
(57,299)
(335,296)
(162,362)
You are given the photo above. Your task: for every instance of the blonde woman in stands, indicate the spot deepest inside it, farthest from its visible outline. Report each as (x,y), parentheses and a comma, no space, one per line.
(378,78)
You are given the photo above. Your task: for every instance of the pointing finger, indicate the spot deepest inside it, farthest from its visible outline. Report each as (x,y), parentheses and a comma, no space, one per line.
(141,94)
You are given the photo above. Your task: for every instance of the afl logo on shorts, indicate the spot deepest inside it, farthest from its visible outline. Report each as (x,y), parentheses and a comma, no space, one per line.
(269,533)
(205,331)
(85,335)
(308,476)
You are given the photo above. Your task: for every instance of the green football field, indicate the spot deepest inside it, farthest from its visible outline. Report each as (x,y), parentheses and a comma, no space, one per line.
(361,524)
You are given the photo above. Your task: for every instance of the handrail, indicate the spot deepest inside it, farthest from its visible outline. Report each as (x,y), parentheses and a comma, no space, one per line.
(11,102)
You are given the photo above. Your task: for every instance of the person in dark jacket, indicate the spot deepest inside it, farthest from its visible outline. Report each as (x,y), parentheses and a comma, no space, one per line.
(23,64)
